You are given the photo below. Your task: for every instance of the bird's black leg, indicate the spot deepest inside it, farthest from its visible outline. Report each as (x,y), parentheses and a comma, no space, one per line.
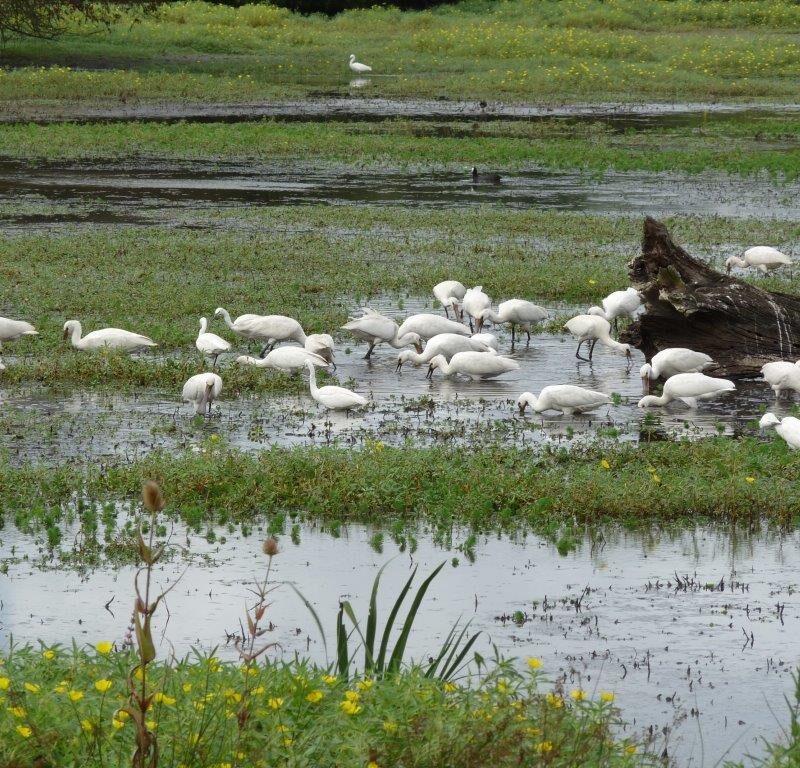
(471,330)
(591,349)
(214,362)
(265,350)
(512,337)
(529,338)
(578,351)
(369,351)
(445,311)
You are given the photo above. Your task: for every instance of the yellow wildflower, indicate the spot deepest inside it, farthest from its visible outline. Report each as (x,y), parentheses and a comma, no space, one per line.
(502,687)
(31,687)
(314,697)
(162,698)
(543,747)
(104,648)
(288,742)
(533,731)
(604,464)
(117,723)
(48,654)
(151,725)
(364,685)
(630,749)
(349,707)
(257,691)
(87,725)
(389,726)
(104,686)
(24,731)
(75,695)
(329,679)
(18,712)
(60,688)
(121,715)
(372,764)
(275,702)
(607,696)
(450,687)
(5,683)
(554,701)
(750,479)
(186,687)
(352,696)
(577,695)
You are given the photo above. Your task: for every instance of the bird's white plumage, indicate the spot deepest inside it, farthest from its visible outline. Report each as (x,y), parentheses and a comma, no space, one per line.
(762,257)
(475,302)
(110,338)
(689,387)
(331,397)
(782,376)
(210,343)
(618,304)
(376,328)
(265,328)
(426,326)
(202,389)
(13,329)
(674,360)
(566,398)
(788,428)
(593,328)
(284,359)
(321,344)
(447,344)
(449,293)
(476,365)
(358,67)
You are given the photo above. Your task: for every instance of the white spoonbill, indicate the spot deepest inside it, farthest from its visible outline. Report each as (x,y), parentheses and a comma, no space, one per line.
(475,301)
(202,390)
(321,344)
(13,329)
(761,257)
(333,398)
(476,365)
(375,328)
(514,312)
(689,387)
(593,329)
(268,329)
(782,376)
(427,326)
(618,304)
(210,343)
(447,344)
(449,293)
(563,397)
(489,339)
(357,67)
(788,428)
(284,359)
(673,360)
(112,338)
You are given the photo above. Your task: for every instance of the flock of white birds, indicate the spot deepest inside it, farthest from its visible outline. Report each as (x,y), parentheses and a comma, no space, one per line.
(456,345)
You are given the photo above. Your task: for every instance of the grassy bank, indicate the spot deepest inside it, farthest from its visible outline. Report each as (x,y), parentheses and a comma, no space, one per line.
(747,146)
(64,707)
(545,492)
(519,50)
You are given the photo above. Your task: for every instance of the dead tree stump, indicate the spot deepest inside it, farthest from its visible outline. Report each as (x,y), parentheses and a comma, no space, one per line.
(689,304)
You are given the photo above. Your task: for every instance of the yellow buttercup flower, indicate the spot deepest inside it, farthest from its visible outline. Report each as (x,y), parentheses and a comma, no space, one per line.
(75,695)
(104,686)
(750,479)
(534,662)
(31,687)
(151,725)
(349,707)
(18,712)
(502,687)
(605,464)
(275,703)
(329,679)
(577,695)
(352,696)
(282,728)
(5,683)
(314,697)
(372,764)
(104,648)
(450,687)
(364,685)
(162,698)
(543,747)
(186,687)
(48,654)
(258,691)
(60,688)
(630,749)
(389,726)
(288,742)
(87,725)
(607,696)
(117,723)
(554,701)
(24,731)
(121,715)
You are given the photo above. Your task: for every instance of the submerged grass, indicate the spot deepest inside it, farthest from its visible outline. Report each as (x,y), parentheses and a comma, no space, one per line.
(746,146)
(517,50)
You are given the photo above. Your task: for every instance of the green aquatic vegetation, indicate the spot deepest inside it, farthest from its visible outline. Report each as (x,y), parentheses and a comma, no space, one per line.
(517,50)
(749,145)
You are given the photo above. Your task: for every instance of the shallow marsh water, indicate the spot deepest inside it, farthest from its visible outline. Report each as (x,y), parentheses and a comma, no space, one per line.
(159,192)
(608,616)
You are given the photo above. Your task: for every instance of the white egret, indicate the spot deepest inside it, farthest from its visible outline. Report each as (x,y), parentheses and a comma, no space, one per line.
(111,338)
(427,326)
(563,397)
(209,343)
(13,329)
(514,312)
(593,329)
(788,428)
(375,328)
(357,67)
(618,304)
(333,398)
(202,390)
(476,365)
(447,344)
(673,360)
(449,293)
(475,301)
(761,257)
(689,387)
(284,359)
(782,376)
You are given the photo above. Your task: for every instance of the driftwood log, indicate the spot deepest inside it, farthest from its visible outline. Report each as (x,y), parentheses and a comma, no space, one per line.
(689,304)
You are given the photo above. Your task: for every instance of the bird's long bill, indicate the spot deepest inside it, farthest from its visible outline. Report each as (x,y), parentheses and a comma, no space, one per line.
(418,346)
(522,407)
(646,384)
(65,335)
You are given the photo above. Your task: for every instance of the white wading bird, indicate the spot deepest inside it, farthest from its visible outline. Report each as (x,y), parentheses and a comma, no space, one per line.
(476,365)
(475,301)
(209,343)
(447,344)
(426,326)
(593,329)
(563,397)
(112,338)
(788,428)
(284,359)
(375,328)
(13,329)
(618,304)
(761,257)
(202,390)
(489,339)
(514,312)
(671,361)
(449,293)
(270,329)
(357,67)
(782,376)
(333,398)
(689,387)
